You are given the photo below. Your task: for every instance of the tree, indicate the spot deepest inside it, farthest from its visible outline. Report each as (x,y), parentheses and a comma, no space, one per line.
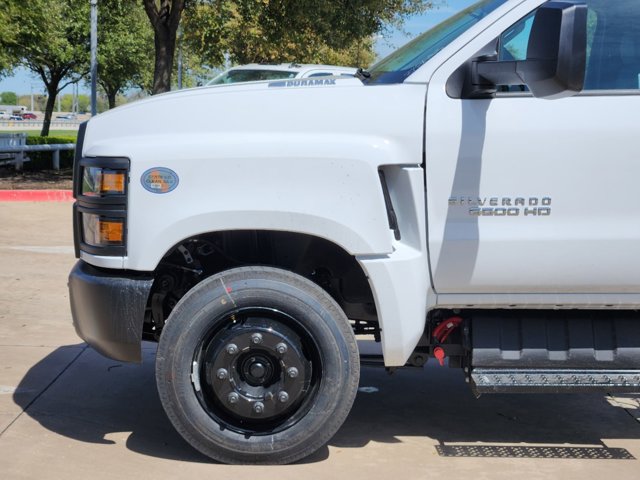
(8,98)
(66,102)
(39,101)
(165,18)
(306,31)
(125,46)
(7,60)
(309,31)
(51,38)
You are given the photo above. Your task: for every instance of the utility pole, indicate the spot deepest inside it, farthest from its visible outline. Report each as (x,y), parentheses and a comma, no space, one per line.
(94,57)
(31,89)
(74,104)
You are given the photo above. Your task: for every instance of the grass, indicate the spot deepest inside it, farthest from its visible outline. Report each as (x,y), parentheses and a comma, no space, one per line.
(52,133)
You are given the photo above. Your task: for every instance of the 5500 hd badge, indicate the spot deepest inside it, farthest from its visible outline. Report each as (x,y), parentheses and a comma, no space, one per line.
(503,206)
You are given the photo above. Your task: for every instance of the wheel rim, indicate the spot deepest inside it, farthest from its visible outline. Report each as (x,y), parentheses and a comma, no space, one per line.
(258,370)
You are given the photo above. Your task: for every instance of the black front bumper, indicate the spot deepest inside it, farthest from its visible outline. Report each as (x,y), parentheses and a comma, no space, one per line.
(108,309)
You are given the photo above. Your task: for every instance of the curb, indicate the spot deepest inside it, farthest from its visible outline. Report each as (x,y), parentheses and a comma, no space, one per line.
(36,196)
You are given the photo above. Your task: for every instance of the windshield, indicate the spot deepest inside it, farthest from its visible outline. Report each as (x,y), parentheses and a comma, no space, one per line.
(245,75)
(404,61)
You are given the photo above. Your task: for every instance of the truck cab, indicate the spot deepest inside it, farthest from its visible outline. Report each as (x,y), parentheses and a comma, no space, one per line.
(468,199)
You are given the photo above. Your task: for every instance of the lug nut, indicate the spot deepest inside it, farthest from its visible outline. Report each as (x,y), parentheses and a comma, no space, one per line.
(222,374)
(281,348)
(283,397)
(233,397)
(258,407)
(292,372)
(256,338)
(232,349)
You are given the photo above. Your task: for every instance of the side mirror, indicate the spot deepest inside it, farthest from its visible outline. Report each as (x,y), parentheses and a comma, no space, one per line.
(556,55)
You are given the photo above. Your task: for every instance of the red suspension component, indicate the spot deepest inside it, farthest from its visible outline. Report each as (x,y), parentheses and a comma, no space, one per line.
(441,333)
(444,329)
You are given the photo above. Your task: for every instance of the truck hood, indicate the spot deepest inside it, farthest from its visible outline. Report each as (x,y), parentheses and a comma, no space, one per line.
(333,107)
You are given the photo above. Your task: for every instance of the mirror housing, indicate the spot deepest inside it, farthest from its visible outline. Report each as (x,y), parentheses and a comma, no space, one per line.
(556,55)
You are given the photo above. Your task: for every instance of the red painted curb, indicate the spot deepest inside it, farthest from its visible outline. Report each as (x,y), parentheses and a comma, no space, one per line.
(36,196)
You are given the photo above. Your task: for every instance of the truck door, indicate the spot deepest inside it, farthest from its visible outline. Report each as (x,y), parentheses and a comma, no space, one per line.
(537,196)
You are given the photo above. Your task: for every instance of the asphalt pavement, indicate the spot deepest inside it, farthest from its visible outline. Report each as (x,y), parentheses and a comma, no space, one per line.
(68,413)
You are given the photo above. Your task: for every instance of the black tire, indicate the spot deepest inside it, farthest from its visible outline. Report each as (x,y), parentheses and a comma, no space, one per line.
(231,307)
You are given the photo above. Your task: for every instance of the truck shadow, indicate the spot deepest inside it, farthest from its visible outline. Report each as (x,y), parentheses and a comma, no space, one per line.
(97,400)
(436,402)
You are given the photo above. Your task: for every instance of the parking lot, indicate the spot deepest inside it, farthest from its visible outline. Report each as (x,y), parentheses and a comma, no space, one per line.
(66,412)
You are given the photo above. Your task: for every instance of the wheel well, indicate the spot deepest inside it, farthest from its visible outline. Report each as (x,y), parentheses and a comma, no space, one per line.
(321,261)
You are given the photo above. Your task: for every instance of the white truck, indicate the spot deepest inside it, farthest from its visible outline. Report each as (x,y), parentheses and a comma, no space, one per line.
(253,72)
(470,198)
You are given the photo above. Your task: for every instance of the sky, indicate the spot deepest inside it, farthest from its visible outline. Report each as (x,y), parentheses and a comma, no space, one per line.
(23,82)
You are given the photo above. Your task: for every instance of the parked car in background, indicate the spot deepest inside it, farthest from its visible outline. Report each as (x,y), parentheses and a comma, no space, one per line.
(29,116)
(254,72)
(15,117)
(68,116)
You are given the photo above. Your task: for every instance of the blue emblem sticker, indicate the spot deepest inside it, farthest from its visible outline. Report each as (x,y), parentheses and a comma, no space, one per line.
(159,180)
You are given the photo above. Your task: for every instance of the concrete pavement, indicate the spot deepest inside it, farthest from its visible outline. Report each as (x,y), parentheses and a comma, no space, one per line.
(66,412)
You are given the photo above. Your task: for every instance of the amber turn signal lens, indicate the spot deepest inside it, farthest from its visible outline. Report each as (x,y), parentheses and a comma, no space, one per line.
(112,182)
(101,231)
(110,232)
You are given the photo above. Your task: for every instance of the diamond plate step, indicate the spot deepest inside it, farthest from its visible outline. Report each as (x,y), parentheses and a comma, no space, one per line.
(554,381)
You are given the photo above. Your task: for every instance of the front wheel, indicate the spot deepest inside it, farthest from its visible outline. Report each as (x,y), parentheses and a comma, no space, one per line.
(257,365)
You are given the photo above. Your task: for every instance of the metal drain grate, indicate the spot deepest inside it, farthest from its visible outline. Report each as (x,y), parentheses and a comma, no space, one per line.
(501,451)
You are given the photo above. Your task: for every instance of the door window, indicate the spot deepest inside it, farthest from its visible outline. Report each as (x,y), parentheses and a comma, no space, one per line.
(613,45)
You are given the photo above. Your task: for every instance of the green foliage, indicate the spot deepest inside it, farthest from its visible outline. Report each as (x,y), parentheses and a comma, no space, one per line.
(8,98)
(42,160)
(304,31)
(7,34)
(50,38)
(64,134)
(125,54)
(49,140)
(206,26)
(39,101)
(66,102)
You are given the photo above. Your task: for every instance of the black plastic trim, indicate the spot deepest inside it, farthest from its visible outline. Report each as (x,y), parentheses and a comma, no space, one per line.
(391,213)
(106,210)
(77,230)
(77,183)
(108,309)
(113,206)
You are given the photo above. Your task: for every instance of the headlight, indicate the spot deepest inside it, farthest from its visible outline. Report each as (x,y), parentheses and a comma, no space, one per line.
(97,181)
(100,186)
(101,231)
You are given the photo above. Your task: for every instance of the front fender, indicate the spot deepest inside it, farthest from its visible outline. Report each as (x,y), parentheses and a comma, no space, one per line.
(311,184)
